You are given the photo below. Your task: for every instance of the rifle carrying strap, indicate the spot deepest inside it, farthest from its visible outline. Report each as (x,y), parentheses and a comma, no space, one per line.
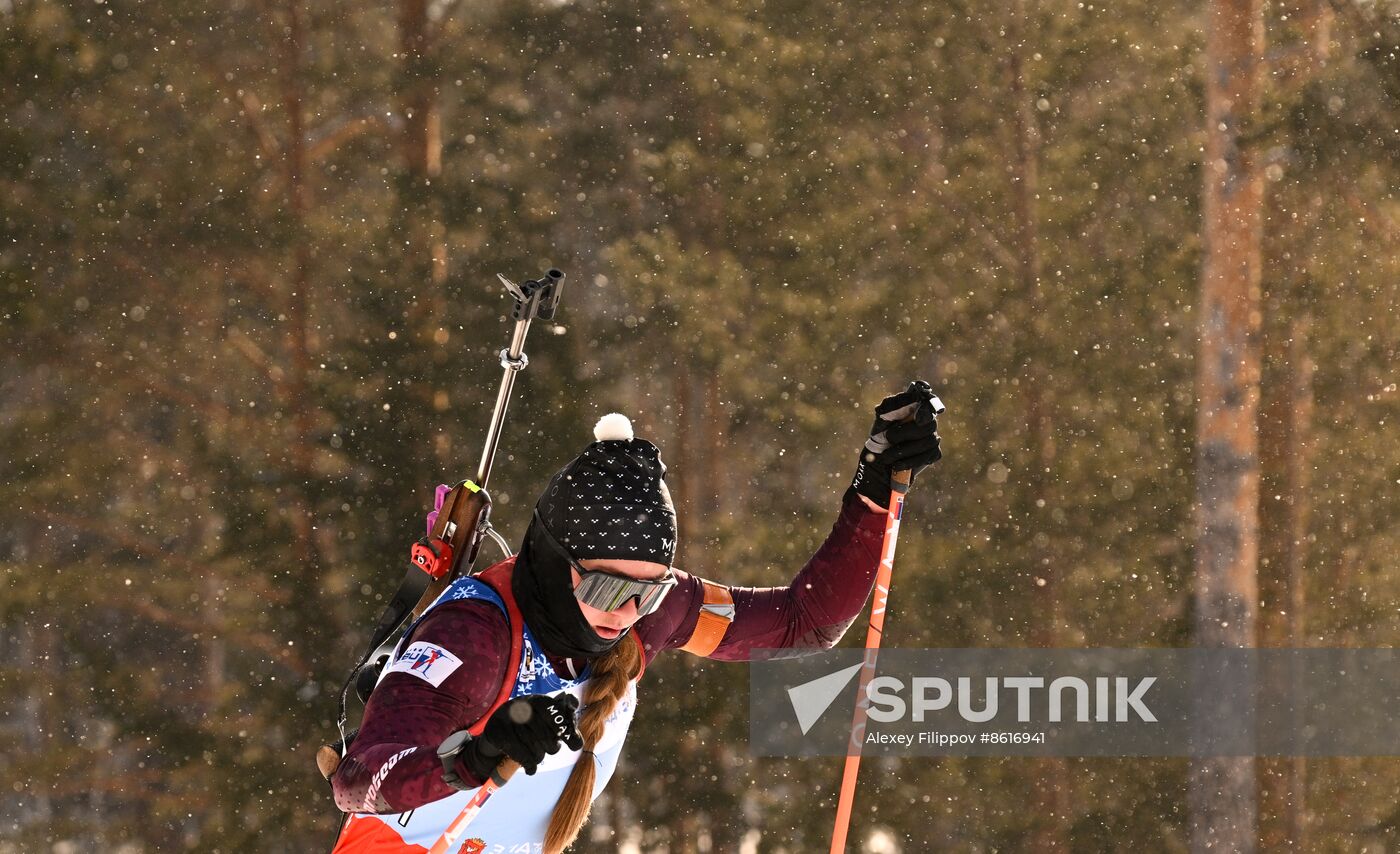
(716,613)
(498,579)
(415,581)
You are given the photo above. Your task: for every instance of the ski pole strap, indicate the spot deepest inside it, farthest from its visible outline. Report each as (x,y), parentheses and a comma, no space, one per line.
(716,614)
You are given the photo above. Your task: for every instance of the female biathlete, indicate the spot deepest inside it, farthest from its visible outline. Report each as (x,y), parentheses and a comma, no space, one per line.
(502,661)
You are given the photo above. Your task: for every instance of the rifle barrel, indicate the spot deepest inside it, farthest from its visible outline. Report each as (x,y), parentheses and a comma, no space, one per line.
(513,361)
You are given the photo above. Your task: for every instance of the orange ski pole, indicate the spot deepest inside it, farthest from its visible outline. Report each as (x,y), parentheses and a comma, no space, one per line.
(449,837)
(900,483)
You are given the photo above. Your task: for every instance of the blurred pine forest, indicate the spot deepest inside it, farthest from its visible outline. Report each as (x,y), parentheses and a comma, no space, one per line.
(249,319)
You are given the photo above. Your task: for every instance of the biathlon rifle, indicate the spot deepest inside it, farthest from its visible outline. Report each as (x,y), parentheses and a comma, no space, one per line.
(463,522)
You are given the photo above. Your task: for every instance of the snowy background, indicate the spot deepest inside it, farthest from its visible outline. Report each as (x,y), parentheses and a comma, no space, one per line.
(247,298)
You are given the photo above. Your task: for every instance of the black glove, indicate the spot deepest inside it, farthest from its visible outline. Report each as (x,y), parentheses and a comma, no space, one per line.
(525,729)
(904,436)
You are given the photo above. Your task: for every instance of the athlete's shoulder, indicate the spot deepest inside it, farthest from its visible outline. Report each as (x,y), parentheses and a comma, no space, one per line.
(657,631)
(466,611)
(469,626)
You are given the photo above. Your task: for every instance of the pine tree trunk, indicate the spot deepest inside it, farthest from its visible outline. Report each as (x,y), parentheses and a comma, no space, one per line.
(421,144)
(1286,439)
(298,299)
(1050,780)
(686,499)
(1222,789)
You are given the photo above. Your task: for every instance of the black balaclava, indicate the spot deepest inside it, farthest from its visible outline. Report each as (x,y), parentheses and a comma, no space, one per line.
(611,501)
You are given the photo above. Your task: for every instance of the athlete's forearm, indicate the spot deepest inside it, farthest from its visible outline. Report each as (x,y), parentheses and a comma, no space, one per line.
(362,782)
(823,600)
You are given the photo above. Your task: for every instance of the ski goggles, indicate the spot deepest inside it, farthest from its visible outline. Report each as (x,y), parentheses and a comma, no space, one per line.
(609,591)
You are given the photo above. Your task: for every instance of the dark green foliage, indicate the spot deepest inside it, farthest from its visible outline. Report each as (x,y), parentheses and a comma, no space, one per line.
(771,215)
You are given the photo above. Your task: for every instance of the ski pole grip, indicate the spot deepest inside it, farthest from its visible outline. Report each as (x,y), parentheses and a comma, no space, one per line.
(504,771)
(934,401)
(902,478)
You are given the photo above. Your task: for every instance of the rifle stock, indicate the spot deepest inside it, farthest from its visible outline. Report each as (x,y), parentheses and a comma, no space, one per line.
(461,523)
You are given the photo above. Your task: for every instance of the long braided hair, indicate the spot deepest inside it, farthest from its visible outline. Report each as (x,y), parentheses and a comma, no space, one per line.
(605,687)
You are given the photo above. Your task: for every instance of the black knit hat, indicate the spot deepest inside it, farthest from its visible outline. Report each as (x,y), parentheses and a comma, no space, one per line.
(610,501)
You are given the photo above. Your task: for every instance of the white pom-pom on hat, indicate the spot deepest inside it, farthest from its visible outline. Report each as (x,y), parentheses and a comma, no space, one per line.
(613,427)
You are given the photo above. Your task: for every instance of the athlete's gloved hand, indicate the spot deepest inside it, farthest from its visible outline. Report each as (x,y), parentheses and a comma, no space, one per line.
(525,729)
(904,436)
